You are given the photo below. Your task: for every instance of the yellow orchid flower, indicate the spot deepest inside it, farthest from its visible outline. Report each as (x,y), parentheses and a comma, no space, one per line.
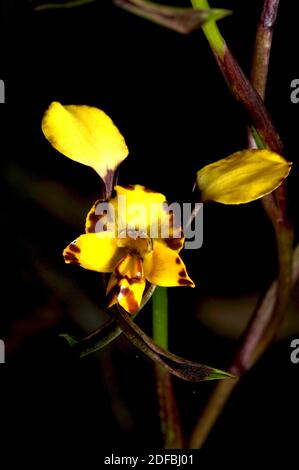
(87,135)
(126,248)
(136,238)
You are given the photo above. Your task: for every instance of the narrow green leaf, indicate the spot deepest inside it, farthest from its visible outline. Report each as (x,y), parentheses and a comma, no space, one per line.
(70,339)
(182,20)
(182,368)
(97,340)
(257,138)
(106,334)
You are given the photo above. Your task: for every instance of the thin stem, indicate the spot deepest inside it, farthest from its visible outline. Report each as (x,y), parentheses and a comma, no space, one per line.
(239,84)
(160,317)
(224,388)
(276,212)
(56,6)
(261,56)
(169,416)
(270,313)
(263,43)
(211,30)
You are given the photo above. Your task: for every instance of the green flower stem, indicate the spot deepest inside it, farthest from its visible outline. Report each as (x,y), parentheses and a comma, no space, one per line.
(160,317)
(211,30)
(270,312)
(169,416)
(239,84)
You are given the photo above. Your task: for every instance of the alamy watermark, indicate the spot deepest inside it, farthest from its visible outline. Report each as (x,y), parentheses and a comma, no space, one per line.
(2,352)
(295,91)
(2,91)
(295,351)
(138,220)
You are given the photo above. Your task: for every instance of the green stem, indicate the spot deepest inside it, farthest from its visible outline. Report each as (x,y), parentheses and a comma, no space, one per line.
(169,416)
(240,86)
(211,30)
(160,317)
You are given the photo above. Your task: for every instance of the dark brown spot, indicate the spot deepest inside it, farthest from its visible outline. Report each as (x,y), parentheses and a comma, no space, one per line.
(147,190)
(173,243)
(93,217)
(131,280)
(183,273)
(177,260)
(185,282)
(74,248)
(71,258)
(105,228)
(125,291)
(129,186)
(130,299)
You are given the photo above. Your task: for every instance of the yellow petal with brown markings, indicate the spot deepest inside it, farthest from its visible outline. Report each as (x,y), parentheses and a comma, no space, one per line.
(97,252)
(164,267)
(130,295)
(127,284)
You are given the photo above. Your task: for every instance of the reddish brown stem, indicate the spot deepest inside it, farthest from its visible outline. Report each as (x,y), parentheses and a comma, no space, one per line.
(270,313)
(169,415)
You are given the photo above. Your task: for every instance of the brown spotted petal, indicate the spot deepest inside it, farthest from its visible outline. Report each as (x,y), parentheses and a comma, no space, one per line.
(172,232)
(127,284)
(97,252)
(138,207)
(164,267)
(100,218)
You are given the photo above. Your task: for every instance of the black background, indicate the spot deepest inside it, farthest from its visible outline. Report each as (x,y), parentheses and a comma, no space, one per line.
(165,94)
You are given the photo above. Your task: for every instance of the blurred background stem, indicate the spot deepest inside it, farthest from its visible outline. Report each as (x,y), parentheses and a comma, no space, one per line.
(169,416)
(57,6)
(270,312)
